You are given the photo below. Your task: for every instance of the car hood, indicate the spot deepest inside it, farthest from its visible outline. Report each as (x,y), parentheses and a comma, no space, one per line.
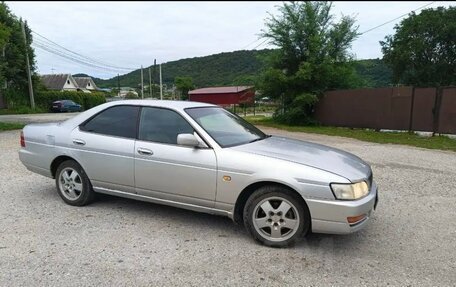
(310,154)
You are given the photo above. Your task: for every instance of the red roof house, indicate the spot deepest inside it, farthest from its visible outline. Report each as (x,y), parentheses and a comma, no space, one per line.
(223,95)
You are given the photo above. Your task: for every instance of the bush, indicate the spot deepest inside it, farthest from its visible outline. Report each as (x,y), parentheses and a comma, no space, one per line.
(19,101)
(44,99)
(131,95)
(300,112)
(16,98)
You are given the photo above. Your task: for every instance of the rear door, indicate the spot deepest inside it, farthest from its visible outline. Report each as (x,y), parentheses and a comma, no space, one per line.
(166,170)
(104,145)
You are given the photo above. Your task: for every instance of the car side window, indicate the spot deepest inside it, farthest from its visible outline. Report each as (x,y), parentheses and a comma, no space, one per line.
(162,125)
(115,121)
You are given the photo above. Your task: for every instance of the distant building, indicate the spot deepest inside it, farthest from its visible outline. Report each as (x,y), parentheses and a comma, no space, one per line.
(86,83)
(123,93)
(59,82)
(223,95)
(66,82)
(107,90)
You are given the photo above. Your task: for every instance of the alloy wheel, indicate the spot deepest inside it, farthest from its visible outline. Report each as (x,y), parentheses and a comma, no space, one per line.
(70,183)
(276,219)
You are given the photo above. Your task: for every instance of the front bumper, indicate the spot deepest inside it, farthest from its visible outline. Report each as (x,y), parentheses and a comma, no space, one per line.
(330,216)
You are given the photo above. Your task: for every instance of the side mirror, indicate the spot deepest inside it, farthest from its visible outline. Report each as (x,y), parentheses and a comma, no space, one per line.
(187,140)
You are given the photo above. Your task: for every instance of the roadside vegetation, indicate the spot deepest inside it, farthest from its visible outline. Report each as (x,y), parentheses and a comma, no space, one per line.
(313,57)
(10,126)
(21,110)
(368,135)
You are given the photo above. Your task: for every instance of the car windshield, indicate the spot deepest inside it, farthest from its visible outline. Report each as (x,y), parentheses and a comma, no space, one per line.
(224,127)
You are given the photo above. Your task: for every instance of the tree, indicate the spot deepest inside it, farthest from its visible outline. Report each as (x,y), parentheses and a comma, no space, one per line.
(244,80)
(12,52)
(131,95)
(313,56)
(422,52)
(4,37)
(184,85)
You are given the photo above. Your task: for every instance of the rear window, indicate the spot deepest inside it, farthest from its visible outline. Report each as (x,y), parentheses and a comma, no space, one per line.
(117,121)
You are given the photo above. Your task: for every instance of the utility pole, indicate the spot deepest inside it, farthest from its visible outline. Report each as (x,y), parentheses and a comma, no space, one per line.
(161,84)
(118,85)
(154,77)
(150,84)
(29,75)
(142,83)
(4,56)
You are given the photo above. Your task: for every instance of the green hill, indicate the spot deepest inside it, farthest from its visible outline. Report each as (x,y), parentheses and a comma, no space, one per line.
(374,73)
(228,68)
(96,80)
(219,69)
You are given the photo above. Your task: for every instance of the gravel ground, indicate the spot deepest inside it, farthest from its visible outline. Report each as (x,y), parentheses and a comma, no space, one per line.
(409,242)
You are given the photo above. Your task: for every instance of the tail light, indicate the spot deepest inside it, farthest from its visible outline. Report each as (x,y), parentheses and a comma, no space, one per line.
(22,139)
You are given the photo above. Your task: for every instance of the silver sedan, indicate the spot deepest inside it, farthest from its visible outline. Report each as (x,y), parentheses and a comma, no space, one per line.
(203,158)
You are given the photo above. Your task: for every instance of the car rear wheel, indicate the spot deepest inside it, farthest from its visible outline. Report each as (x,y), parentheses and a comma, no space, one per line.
(73,185)
(276,217)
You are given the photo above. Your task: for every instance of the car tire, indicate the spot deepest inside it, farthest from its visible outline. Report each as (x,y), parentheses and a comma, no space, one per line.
(276,216)
(73,185)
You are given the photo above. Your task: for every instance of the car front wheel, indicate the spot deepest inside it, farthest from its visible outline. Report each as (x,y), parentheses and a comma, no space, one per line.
(73,185)
(276,217)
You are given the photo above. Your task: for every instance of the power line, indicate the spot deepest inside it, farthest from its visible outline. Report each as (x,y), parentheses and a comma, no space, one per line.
(61,52)
(71,58)
(251,43)
(419,8)
(99,62)
(260,44)
(44,45)
(66,56)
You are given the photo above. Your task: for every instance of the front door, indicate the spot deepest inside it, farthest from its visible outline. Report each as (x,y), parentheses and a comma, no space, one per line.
(166,170)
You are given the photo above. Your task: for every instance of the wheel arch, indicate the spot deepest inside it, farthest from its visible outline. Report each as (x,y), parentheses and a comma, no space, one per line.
(57,161)
(250,189)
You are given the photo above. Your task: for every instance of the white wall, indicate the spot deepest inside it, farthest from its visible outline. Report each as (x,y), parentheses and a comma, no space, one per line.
(70,85)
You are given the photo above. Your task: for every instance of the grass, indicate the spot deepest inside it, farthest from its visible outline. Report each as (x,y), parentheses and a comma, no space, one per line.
(22,110)
(10,126)
(404,138)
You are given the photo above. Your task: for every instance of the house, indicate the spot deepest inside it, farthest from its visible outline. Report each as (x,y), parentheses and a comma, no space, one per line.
(86,83)
(60,82)
(223,95)
(123,93)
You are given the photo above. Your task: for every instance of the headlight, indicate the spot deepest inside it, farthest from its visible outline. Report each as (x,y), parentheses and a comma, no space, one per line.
(350,191)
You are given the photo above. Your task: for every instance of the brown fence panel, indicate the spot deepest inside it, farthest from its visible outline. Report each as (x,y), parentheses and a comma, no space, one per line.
(382,108)
(349,108)
(397,116)
(447,116)
(423,106)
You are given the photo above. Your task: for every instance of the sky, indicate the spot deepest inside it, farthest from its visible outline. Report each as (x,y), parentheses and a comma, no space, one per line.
(131,34)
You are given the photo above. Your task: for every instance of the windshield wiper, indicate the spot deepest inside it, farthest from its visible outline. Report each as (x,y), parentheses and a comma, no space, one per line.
(260,138)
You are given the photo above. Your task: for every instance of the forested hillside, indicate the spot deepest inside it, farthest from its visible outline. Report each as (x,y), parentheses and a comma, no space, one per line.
(374,73)
(234,68)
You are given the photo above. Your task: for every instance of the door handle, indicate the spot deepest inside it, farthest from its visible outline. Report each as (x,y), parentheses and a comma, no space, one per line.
(78,142)
(145,151)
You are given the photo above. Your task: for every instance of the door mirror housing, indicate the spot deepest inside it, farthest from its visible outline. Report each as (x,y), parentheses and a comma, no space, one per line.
(187,140)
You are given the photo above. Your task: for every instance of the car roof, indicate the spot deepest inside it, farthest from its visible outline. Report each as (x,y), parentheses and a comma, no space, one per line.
(177,105)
